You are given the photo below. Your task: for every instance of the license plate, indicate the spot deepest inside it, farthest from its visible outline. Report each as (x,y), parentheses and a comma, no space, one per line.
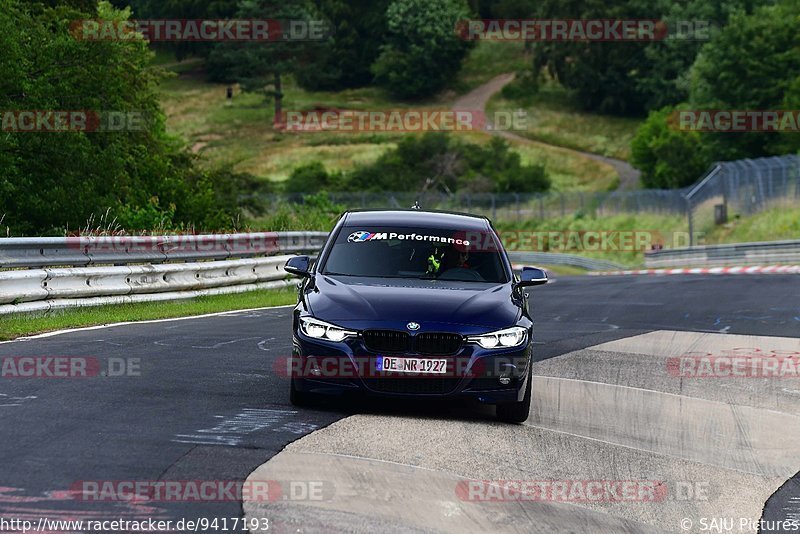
(411,365)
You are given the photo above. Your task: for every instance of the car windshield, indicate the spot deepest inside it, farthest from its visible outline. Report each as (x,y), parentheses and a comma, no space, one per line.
(424,253)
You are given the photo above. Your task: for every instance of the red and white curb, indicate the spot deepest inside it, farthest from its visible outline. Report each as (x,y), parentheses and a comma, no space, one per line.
(758,269)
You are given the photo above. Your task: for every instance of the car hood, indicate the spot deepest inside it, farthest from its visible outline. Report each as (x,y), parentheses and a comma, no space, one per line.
(358,301)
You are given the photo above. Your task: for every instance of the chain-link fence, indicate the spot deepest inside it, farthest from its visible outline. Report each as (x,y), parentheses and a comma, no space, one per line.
(513,207)
(743,187)
(729,188)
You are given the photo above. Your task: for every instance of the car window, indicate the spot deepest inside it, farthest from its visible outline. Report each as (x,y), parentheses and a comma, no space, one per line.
(429,253)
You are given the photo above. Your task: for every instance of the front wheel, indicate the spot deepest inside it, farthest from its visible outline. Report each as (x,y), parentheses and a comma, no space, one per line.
(299,398)
(517,412)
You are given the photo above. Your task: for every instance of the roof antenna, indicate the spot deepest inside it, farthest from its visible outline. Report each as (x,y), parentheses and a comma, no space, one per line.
(416,205)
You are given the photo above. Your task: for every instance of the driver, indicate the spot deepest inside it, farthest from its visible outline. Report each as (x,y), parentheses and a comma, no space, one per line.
(456,259)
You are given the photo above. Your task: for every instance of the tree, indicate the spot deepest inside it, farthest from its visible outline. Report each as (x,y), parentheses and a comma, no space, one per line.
(358,31)
(600,74)
(752,64)
(629,78)
(260,66)
(667,81)
(180,9)
(422,51)
(50,182)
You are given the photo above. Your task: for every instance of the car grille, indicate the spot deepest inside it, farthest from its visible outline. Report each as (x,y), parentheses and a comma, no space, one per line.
(385,340)
(431,343)
(437,343)
(412,386)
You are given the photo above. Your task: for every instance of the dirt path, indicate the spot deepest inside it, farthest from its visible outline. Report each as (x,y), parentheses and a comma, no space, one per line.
(477,99)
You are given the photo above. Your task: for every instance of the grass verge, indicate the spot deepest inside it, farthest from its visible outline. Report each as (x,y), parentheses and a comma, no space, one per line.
(774,224)
(532,235)
(553,118)
(22,324)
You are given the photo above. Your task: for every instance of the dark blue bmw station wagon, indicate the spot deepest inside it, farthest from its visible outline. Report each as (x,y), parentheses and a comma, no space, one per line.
(413,303)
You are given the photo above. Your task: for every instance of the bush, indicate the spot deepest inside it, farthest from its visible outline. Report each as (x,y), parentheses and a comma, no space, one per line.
(668,157)
(437,162)
(316,213)
(310,178)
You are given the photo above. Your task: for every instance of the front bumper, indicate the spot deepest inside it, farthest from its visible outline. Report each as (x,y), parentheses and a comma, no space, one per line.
(490,376)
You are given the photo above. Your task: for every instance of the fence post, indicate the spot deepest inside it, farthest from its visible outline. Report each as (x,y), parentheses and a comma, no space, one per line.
(494,208)
(516,197)
(691,222)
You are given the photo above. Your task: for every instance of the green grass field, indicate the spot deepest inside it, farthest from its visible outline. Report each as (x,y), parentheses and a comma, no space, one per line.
(241,135)
(16,325)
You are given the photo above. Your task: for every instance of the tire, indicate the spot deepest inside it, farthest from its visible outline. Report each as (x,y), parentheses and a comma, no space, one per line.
(299,398)
(517,412)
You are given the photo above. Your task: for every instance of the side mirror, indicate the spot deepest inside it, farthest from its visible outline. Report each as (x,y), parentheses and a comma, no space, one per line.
(532,276)
(298,266)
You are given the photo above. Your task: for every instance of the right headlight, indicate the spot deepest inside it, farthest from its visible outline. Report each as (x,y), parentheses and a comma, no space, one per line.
(510,337)
(322,330)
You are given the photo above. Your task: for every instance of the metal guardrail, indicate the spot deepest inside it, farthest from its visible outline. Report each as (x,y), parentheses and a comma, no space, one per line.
(740,254)
(554,258)
(42,289)
(22,252)
(45,273)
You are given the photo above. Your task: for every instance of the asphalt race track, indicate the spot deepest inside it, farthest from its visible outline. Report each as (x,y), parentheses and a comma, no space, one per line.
(201,401)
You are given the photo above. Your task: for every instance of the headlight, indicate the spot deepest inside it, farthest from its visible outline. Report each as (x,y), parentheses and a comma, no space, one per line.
(510,337)
(322,330)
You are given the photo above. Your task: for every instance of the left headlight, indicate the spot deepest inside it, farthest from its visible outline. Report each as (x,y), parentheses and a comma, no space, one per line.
(510,337)
(322,330)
